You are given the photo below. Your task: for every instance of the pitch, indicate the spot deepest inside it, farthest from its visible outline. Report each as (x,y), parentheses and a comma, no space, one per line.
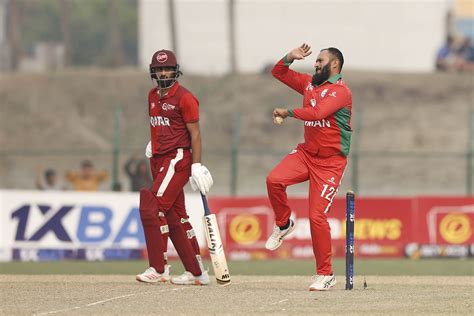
(119,294)
(395,286)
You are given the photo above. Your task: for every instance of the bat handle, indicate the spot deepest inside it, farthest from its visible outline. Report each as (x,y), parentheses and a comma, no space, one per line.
(206,206)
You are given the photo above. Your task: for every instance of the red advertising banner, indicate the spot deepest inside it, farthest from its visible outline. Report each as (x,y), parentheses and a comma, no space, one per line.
(388,227)
(447,220)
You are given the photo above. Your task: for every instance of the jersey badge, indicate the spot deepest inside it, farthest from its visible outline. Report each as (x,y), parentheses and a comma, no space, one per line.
(167,107)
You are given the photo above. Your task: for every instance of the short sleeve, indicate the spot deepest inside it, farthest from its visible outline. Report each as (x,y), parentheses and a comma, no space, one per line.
(150,93)
(189,108)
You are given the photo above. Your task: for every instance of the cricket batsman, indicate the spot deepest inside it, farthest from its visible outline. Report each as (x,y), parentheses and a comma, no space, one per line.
(321,158)
(175,156)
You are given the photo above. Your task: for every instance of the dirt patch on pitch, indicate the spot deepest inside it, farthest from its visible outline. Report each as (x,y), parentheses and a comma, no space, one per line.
(92,294)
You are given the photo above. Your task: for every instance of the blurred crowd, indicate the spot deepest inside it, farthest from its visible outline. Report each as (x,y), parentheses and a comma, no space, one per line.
(88,178)
(456,55)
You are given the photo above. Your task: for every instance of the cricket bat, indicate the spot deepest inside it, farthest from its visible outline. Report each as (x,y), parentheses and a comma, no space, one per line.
(214,243)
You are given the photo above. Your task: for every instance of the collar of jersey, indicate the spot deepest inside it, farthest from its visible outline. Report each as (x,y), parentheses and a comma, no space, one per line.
(334,78)
(171,91)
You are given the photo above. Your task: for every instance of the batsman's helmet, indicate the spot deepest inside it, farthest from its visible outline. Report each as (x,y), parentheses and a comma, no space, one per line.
(164,59)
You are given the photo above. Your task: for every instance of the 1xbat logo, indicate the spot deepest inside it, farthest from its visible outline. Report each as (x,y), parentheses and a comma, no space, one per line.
(95,224)
(53,224)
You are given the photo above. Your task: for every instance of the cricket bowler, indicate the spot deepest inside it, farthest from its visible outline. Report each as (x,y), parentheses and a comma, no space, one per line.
(321,158)
(175,156)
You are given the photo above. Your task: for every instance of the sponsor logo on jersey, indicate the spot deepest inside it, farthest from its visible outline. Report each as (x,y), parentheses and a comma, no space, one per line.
(324,93)
(332,94)
(320,123)
(159,121)
(167,107)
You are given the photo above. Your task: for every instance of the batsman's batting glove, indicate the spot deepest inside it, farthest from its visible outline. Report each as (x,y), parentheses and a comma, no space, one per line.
(194,186)
(148,152)
(201,178)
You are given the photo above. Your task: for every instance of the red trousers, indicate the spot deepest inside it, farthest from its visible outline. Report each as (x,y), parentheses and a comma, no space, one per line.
(170,173)
(324,175)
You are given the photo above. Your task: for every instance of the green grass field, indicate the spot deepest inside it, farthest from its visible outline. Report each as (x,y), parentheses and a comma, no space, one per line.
(441,267)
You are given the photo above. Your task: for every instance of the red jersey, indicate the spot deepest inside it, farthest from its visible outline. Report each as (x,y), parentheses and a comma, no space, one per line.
(168,118)
(326,111)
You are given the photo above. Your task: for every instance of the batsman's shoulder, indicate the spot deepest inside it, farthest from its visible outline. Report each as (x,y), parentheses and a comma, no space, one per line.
(182,91)
(187,97)
(153,90)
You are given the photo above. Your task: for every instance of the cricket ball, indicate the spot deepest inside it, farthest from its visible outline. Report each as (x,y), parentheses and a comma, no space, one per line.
(278,120)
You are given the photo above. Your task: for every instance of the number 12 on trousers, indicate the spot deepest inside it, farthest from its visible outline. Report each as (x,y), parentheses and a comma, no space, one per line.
(328,192)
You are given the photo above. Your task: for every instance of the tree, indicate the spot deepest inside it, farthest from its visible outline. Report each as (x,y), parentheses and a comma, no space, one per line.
(116,46)
(15,18)
(66,30)
(94,32)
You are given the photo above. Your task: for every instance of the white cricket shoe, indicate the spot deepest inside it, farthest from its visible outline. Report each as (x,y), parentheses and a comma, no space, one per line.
(276,239)
(151,276)
(323,282)
(187,278)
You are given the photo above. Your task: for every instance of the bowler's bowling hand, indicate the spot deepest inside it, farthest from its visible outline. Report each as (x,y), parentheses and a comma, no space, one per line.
(283,113)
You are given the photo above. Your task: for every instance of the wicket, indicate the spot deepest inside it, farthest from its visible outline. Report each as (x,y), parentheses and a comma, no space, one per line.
(350,199)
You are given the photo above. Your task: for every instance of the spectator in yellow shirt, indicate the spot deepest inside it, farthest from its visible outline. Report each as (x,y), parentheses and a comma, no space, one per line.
(87,178)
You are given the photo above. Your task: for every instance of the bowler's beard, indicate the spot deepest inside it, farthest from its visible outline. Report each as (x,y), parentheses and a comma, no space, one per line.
(320,78)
